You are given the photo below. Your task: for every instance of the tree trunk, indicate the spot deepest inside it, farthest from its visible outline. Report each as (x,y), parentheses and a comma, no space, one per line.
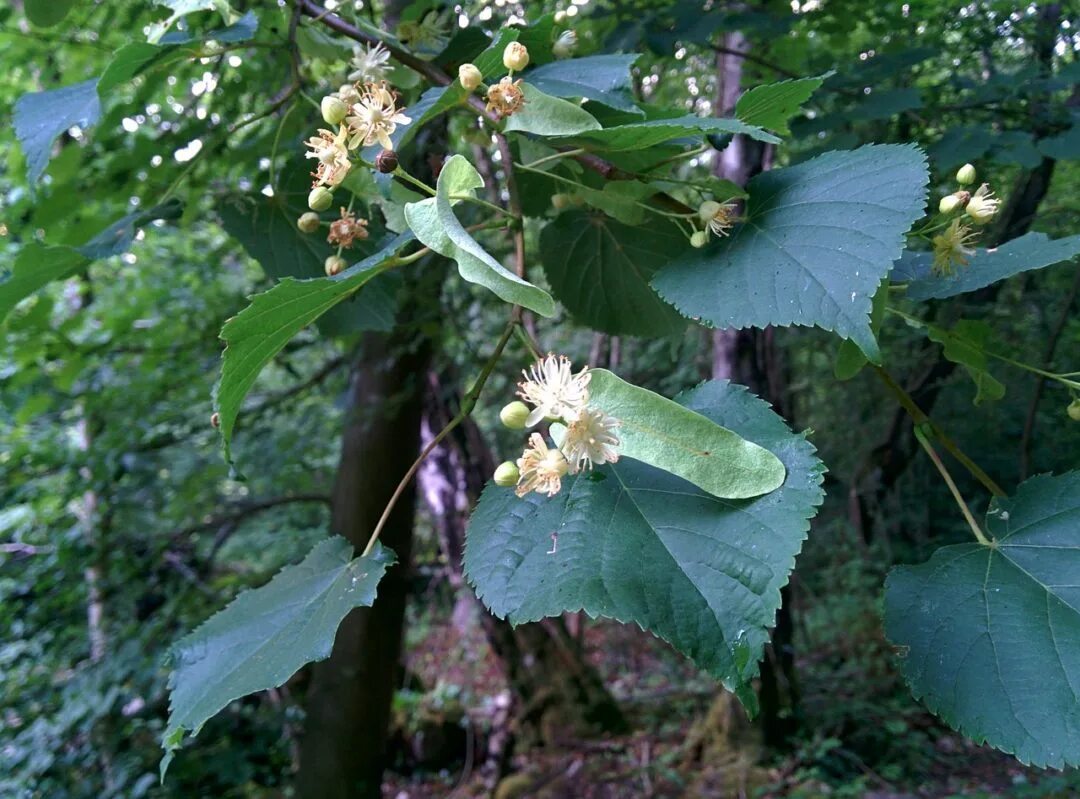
(342,753)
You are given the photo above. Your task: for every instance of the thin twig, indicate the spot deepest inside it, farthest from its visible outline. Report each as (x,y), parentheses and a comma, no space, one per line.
(974,525)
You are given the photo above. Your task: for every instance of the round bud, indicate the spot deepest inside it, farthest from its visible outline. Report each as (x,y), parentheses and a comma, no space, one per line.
(515,415)
(386,161)
(309,222)
(507,474)
(560,201)
(334,265)
(215,419)
(1074,410)
(708,209)
(320,198)
(699,239)
(470,76)
(565,45)
(515,56)
(965,175)
(334,109)
(950,203)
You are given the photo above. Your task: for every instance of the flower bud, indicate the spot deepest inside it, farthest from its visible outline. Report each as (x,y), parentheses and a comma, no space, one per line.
(699,239)
(965,176)
(309,222)
(320,198)
(565,45)
(215,419)
(334,265)
(515,415)
(1074,410)
(952,202)
(470,76)
(333,109)
(560,201)
(507,474)
(515,56)
(386,161)
(708,210)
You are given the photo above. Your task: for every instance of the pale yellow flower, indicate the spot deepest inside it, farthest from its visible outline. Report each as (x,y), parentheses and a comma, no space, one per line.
(720,217)
(542,468)
(591,440)
(369,63)
(333,157)
(553,390)
(952,247)
(983,205)
(375,116)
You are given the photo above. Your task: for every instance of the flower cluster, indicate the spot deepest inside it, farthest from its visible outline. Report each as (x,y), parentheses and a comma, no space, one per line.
(505,97)
(954,246)
(556,393)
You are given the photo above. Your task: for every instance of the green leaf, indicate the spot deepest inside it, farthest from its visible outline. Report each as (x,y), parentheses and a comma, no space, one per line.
(265,635)
(434,223)
(46,13)
(1065,146)
(772,105)
(664,434)
(258,333)
(600,270)
(817,240)
(642,135)
(545,115)
(637,544)
(849,358)
(35,266)
(966,344)
(1022,254)
(42,116)
(118,236)
(990,635)
(600,78)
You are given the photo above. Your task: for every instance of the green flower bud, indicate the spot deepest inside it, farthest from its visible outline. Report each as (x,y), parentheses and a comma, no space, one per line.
(515,56)
(965,176)
(1074,410)
(320,198)
(560,201)
(699,239)
(309,222)
(507,474)
(334,265)
(514,415)
(334,109)
(953,202)
(470,76)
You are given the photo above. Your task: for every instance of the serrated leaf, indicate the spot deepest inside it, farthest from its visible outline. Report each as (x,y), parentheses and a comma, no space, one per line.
(258,333)
(46,13)
(265,635)
(600,78)
(665,434)
(817,240)
(545,115)
(600,270)
(849,358)
(42,116)
(642,135)
(434,223)
(1022,254)
(990,636)
(772,105)
(637,544)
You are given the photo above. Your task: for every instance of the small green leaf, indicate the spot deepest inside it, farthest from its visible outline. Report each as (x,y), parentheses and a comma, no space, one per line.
(772,105)
(642,135)
(46,13)
(664,434)
(258,333)
(35,266)
(265,635)
(545,115)
(990,635)
(600,270)
(817,240)
(966,344)
(42,116)
(632,542)
(600,78)
(434,223)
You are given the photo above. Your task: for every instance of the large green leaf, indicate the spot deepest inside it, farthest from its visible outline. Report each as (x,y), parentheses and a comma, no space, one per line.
(601,78)
(1022,254)
(642,135)
(772,105)
(42,116)
(664,434)
(264,636)
(600,270)
(637,544)
(545,115)
(817,241)
(258,333)
(990,635)
(434,223)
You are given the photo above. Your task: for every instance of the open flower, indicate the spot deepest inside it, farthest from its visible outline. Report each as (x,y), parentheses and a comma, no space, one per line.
(505,97)
(347,229)
(983,205)
(542,468)
(375,116)
(553,390)
(720,217)
(590,439)
(333,157)
(952,247)
(369,63)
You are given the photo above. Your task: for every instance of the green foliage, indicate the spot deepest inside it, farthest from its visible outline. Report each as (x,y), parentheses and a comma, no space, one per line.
(545,115)
(42,116)
(772,105)
(966,344)
(600,78)
(46,13)
(990,634)
(642,135)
